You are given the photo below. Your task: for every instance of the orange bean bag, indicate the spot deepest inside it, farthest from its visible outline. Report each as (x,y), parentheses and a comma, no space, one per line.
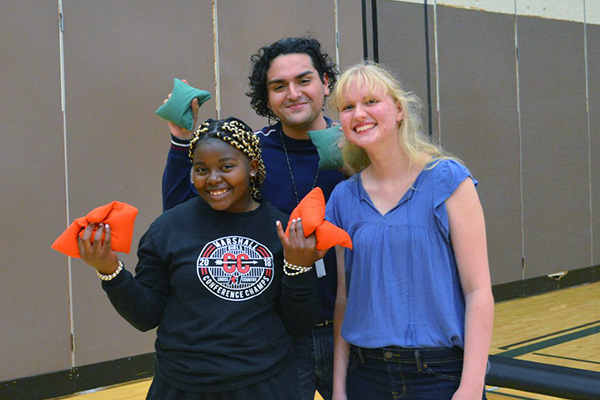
(120,217)
(311,210)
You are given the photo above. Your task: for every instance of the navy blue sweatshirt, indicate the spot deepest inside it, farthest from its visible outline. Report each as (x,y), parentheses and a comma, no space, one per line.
(278,187)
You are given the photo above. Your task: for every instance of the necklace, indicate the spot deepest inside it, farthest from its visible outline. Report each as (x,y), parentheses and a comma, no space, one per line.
(289,164)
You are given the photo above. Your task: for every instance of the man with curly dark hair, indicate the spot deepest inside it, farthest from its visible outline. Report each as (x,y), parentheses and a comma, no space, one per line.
(289,82)
(259,89)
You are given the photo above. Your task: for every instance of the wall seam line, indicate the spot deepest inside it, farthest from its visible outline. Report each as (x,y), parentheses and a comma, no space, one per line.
(589,132)
(437,72)
(61,45)
(520,134)
(216,55)
(337,33)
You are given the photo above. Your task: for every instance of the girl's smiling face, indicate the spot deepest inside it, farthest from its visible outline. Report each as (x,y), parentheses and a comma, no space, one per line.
(221,175)
(369,117)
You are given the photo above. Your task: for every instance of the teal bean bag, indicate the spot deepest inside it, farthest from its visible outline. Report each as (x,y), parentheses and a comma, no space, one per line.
(326,141)
(177,109)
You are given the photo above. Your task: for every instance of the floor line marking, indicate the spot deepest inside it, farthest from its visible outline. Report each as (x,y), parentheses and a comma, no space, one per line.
(530,348)
(567,358)
(508,346)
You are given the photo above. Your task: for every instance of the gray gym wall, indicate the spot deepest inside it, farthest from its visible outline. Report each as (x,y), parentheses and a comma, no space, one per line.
(521,125)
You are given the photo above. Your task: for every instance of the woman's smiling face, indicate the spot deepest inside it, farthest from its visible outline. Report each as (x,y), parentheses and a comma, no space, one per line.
(221,175)
(369,116)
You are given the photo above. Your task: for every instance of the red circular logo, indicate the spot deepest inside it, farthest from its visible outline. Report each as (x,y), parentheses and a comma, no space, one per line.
(235,268)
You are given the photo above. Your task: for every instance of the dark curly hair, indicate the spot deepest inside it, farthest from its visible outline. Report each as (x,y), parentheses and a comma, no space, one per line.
(238,134)
(261,61)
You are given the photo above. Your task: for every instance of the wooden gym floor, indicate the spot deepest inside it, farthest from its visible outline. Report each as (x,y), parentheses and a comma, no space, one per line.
(559,328)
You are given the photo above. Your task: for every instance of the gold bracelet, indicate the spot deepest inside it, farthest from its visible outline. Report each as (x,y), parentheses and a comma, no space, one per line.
(293,270)
(113,275)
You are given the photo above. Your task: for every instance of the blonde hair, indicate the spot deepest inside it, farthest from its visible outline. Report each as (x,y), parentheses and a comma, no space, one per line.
(375,77)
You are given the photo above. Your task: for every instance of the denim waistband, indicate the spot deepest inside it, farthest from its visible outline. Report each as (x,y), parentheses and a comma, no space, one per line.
(418,355)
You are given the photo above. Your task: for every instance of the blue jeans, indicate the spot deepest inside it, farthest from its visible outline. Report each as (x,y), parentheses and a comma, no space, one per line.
(314,355)
(400,373)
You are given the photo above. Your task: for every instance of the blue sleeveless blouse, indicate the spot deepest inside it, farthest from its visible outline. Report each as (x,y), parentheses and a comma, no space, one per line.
(401,277)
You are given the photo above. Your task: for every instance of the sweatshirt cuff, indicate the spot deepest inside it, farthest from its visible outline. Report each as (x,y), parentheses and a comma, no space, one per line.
(179,144)
(119,281)
(305,280)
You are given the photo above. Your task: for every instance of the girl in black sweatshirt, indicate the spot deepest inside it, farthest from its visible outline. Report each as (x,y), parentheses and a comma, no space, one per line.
(225,286)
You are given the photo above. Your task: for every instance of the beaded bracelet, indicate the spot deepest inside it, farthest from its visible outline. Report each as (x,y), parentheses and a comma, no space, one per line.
(293,270)
(113,275)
